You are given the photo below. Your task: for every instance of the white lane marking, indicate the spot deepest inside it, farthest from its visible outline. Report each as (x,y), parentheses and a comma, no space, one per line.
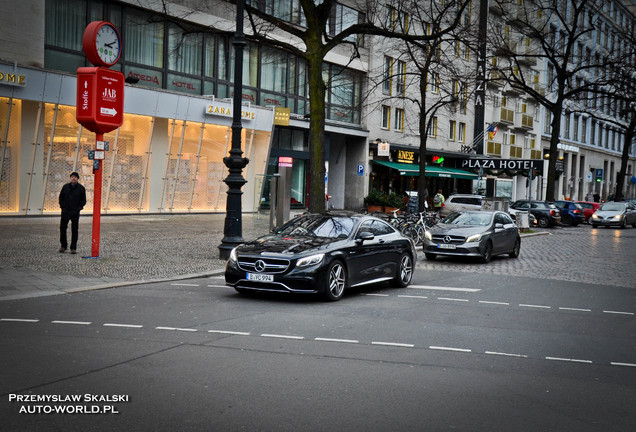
(452,299)
(337,340)
(229,332)
(506,354)
(535,306)
(123,325)
(412,296)
(623,364)
(20,320)
(393,344)
(375,295)
(494,303)
(185,284)
(72,322)
(282,336)
(618,312)
(575,309)
(439,288)
(219,286)
(449,349)
(176,329)
(569,360)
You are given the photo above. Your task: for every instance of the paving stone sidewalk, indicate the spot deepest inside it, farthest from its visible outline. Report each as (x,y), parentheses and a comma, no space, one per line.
(133,249)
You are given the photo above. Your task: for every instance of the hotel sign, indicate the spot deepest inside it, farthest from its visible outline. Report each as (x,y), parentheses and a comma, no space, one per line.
(503,164)
(9,76)
(212,109)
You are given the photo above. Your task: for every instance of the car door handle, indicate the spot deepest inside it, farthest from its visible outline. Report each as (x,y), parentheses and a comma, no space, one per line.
(381,241)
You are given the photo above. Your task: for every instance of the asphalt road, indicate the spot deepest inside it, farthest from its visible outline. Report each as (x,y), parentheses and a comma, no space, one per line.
(487,350)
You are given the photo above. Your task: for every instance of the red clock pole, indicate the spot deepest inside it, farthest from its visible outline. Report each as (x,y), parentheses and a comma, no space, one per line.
(100,102)
(97,202)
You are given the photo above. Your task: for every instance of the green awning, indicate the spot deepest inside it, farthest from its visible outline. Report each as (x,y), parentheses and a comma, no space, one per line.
(431,170)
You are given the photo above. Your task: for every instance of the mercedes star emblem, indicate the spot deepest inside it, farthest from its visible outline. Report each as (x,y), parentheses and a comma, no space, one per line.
(259,265)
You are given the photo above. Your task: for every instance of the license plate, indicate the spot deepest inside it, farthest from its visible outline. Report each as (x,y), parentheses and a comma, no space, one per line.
(446,246)
(260,277)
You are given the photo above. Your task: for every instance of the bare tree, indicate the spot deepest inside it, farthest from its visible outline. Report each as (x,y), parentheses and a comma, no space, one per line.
(553,32)
(315,34)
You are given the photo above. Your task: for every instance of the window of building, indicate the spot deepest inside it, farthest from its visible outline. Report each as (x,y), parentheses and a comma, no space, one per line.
(386,117)
(431,129)
(387,75)
(452,128)
(399,120)
(401,77)
(461,135)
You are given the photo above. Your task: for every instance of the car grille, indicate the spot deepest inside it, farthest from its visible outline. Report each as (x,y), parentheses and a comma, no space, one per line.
(265,265)
(454,239)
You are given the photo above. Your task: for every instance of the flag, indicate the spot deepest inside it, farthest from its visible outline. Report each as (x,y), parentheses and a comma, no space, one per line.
(492,131)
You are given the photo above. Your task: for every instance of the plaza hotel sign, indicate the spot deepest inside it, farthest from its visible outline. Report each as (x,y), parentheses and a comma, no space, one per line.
(9,76)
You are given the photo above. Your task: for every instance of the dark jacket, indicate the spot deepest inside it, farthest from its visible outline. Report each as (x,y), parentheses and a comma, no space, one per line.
(72,198)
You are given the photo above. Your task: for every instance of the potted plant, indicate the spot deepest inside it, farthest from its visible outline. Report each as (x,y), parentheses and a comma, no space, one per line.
(394,202)
(375,201)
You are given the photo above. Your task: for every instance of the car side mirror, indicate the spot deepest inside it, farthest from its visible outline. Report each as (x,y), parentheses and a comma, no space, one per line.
(499,225)
(364,235)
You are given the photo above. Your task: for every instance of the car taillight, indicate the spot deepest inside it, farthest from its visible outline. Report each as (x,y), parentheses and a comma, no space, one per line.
(553,213)
(577,211)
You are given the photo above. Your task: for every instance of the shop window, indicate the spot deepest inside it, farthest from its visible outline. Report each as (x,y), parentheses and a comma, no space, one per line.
(9,153)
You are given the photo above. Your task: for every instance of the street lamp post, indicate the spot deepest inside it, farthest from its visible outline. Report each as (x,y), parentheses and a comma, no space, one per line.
(233,228)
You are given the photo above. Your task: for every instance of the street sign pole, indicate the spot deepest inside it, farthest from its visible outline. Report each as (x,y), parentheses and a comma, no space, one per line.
(97,200)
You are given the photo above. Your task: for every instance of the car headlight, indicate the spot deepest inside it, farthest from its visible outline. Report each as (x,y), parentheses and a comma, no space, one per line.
(310,260)
(618,217)
(594,216)
(233,257)
(428,235)
(473,238)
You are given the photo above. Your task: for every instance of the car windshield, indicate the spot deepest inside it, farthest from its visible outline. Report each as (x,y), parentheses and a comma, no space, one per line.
(318,226)
(613,207)
(468,218)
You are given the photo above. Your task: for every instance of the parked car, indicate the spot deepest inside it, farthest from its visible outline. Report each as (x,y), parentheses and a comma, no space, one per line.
(323,253)
(532,221)
(571,212)
(473,233)
(589,208)
(615,214)
(460,202)
(547,215)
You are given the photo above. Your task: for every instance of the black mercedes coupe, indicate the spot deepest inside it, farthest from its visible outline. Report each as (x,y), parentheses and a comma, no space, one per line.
(325,254)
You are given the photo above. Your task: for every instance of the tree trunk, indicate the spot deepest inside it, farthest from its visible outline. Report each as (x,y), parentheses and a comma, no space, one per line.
(628,141)
(550,193)
(317,90)
(422,190)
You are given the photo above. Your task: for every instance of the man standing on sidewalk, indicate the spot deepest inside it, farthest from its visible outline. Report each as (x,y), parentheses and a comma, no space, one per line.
(72,200)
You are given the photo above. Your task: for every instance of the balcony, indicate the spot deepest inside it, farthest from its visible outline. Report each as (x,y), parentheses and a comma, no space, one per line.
(523,121)
(506,116)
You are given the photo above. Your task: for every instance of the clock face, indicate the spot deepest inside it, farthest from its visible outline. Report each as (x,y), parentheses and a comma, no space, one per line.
(108,44)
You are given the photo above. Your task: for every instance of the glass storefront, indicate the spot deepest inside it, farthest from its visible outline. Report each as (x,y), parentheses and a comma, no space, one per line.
(152,165)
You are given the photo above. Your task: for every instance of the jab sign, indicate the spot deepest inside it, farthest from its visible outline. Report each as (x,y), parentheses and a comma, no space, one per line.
(100,99)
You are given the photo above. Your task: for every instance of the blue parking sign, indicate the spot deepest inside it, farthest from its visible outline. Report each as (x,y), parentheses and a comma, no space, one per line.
(360,169)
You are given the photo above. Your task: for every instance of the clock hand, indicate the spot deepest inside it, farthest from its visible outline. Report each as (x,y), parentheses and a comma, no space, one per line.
(110,45)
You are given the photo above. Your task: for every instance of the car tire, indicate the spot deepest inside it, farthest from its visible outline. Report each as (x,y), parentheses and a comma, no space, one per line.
(544,222)
(567,220)
(336,281)
(624,224)
(486,255)
(516,249)
(404,272)
(634,225)
(430,256)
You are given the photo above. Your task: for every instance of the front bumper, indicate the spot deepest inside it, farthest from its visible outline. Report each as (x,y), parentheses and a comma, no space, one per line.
(473,249)
(303,281)
(606,222)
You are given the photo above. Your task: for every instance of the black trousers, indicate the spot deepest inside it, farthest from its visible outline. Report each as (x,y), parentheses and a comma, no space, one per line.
(74,218)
